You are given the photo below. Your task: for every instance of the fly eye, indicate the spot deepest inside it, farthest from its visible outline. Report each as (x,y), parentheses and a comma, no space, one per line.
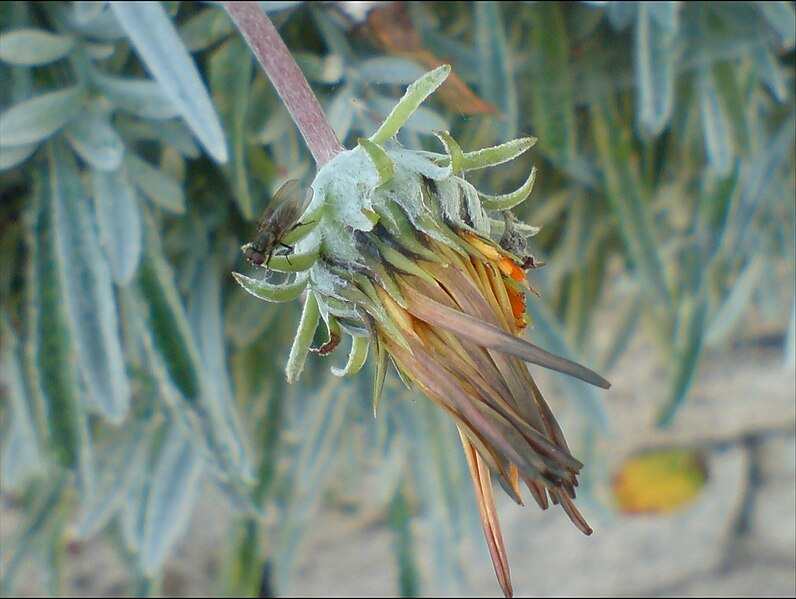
(254,257)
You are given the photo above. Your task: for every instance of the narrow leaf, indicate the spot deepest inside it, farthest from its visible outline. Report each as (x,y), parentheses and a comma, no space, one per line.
(654,71)
(139,97)
(230,81)
(171,500)
(119,222)
(56,377)
(94,138)
(87,289)
(164,54)
(551,83)
(155,184)
(166,318)
(356,357)
(33,47)
(36,119)
(625,194)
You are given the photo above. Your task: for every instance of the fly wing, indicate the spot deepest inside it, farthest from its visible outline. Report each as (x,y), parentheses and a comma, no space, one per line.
(281,206)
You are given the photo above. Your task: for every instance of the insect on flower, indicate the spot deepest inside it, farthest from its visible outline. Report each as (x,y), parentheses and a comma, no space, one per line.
(279,218)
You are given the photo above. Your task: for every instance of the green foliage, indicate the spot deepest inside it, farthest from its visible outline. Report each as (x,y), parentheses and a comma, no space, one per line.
(138,147)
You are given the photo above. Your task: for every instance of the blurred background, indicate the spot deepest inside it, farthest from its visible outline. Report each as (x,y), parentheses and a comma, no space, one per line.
(150,444)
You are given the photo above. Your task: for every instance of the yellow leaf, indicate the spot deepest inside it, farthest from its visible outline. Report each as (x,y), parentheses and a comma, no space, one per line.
(659,481)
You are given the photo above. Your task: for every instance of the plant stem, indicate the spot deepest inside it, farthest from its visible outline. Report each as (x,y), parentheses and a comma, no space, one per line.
(287,78)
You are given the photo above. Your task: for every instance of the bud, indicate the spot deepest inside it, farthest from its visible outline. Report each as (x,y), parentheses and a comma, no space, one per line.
(397,250)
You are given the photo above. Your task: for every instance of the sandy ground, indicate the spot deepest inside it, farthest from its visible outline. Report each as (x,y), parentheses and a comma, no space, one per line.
(737,539)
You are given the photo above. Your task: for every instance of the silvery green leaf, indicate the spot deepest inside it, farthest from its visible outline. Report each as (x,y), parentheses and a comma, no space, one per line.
(654,70)
(735,303)
(34,47)
(95,22)
(688,336)
(39,117)
(206,312)
(161,49)
(771,74)
(230,80)
(664,14)
(495,66)
(391,70)
(139,97)
(87,289)
(626,194)
(716,131)
(246,320)
(165,319)
(620,14)
(789,358)
(340,112)
(205,28)
(171,499)
(781,16)
(124,465)
(12,156)
(119,222)
(323,69)
(551,94)
(21,456)
(84,11)
(172,133)
(155,184)
(56,376)
(94,138)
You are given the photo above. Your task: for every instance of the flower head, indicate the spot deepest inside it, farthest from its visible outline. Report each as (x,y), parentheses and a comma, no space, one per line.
(399,252)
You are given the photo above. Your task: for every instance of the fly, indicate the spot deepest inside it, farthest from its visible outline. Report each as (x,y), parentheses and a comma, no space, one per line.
(279,218)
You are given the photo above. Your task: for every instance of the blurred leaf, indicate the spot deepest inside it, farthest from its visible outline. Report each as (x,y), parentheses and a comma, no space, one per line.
(551,83)
(495,66)
(206,311)
(155,184)
(139,97)
(56,373)
(688,337)
(205,28)
(12,156)
(230,76)
(21,454)
(94,138)
(735,304)
(781,16)
(716,129)
(33,47)
(659,481)
(164,54)
(87,290)
(391,70)
(625,194)
(654,68)
(165,317)
(400,520)
(175,484)
(36,119)
(119,222)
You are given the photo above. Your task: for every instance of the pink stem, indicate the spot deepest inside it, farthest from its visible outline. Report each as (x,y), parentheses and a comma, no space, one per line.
(287,78)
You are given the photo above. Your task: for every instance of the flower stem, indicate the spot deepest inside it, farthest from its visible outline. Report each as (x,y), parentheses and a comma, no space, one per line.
(287,78)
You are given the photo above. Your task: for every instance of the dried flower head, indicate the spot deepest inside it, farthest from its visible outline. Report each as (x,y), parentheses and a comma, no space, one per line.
(396,250)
